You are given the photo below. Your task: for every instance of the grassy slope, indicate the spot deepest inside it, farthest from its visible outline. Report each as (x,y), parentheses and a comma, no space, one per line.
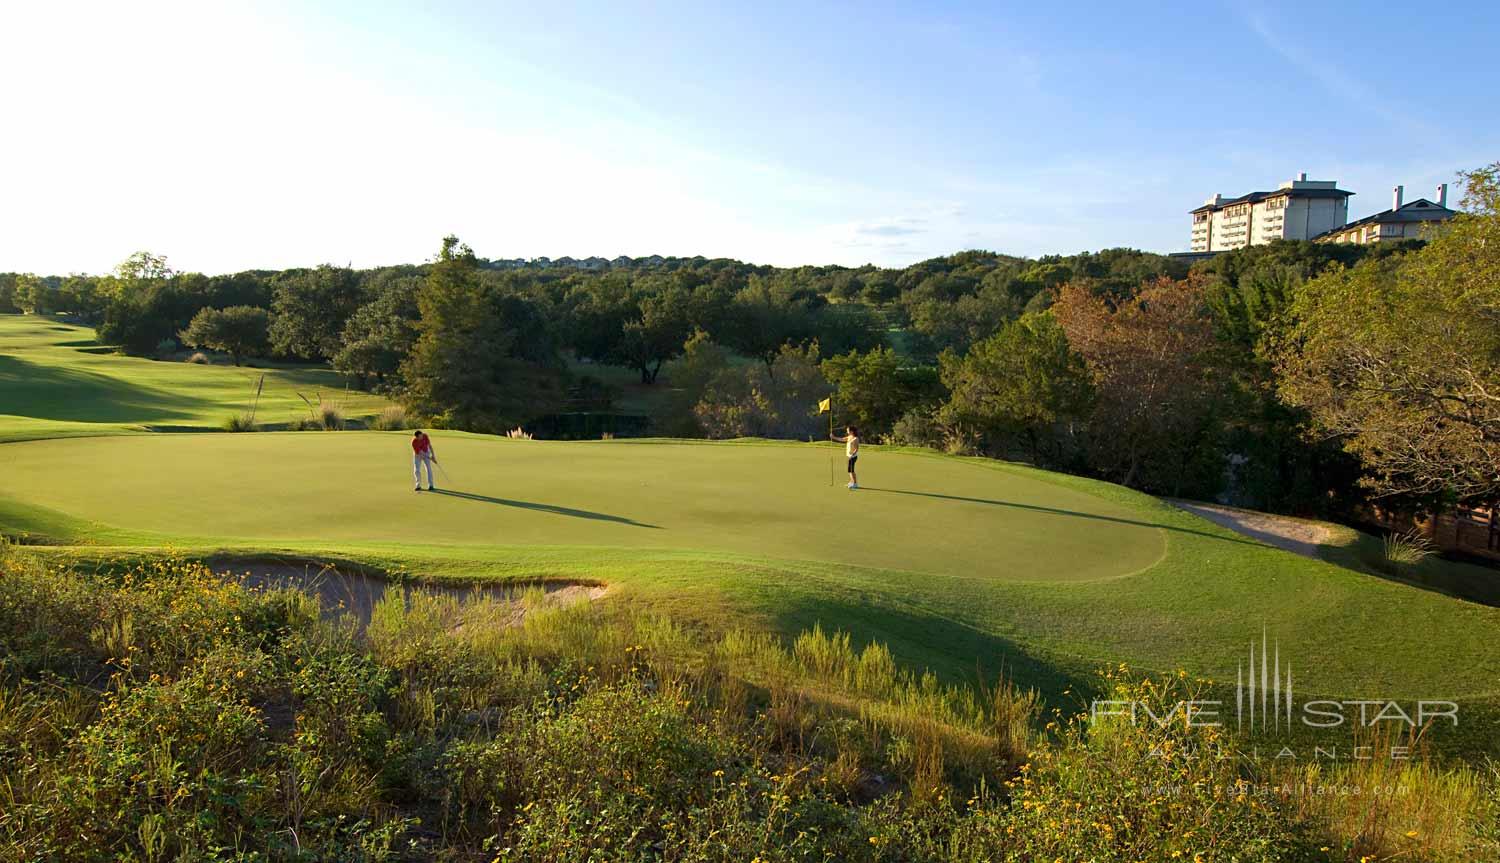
(58,382)
(1022,568)
(731,556)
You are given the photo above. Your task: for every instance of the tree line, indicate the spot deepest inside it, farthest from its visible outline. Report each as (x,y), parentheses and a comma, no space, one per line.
(1293,376)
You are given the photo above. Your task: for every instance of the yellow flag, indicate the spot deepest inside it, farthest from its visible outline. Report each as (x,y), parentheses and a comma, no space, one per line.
(825,405)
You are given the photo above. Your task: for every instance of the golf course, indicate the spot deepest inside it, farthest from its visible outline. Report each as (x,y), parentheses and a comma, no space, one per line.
(960,565)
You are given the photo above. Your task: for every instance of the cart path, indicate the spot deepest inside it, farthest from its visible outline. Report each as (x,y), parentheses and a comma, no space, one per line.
(1294,535)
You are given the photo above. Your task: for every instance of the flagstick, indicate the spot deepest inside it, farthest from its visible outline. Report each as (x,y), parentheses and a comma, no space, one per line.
(833,460)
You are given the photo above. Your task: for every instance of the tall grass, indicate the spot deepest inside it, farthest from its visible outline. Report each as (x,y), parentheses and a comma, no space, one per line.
(157,711)
(1403,551)
(323,414)
(392,418)
(244,422)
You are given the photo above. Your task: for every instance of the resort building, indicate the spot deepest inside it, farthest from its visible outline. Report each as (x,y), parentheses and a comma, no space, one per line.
(1299,209)
(1403,221)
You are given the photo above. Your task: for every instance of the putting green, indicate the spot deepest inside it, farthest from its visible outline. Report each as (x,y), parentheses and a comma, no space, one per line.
(917,513)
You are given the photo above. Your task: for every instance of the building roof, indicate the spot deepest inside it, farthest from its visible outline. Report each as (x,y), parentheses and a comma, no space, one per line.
(1254,197)
(1420,210)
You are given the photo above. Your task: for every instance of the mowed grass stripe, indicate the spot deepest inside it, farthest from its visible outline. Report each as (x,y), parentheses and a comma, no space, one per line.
(56,381)
(918,514)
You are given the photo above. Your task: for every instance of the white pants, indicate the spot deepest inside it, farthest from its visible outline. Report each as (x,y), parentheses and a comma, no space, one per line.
(416,469)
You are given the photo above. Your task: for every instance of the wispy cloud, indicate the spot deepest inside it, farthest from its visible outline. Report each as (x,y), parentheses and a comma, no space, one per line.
(891,228)
(1336,81)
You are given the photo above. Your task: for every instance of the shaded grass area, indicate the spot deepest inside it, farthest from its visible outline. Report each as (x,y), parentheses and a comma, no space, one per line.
(1364,552)
(57,381)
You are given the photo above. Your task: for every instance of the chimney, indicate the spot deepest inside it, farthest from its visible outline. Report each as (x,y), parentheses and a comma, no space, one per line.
(1442,195)
(1396,197)
(1302,176)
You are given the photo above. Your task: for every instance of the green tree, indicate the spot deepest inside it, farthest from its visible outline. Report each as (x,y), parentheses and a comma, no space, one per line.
(478,362)
(309,309)
(381,333)
(656,335)
(144,267)
(239,331)
(31,295)
(1399,357)
(144,307)
(1022,385)
(689,376)
(8,294)
(774,401)
(766,315)
(80,296)
(873,389)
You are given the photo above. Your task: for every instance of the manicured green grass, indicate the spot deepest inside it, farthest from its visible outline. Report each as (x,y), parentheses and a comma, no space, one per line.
(964,566)
(929,515)
(961,565)
(57,381)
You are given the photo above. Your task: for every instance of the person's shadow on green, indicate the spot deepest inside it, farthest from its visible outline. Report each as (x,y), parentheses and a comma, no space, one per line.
(542,507)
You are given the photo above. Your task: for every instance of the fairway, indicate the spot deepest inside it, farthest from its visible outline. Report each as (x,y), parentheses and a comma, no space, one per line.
(918,513)
(56,381)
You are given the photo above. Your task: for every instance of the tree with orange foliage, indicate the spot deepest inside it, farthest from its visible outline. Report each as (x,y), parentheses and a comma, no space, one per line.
(1151,358)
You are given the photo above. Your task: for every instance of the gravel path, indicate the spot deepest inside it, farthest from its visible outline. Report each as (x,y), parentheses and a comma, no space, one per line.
(1294,535)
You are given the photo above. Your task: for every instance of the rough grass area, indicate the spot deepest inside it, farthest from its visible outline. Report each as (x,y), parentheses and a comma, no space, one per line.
(155,711)
(57,381)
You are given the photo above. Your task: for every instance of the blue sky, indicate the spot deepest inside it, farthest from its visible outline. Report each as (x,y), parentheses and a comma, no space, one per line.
(271,134)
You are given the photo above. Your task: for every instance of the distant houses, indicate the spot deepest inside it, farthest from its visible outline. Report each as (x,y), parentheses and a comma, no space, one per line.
(565,262)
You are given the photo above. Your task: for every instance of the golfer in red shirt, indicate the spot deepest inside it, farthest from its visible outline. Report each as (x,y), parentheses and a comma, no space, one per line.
(422,455)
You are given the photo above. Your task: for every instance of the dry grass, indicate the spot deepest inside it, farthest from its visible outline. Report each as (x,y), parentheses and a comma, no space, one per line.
(1405,550)
(1395,809)
(392,418)
(244,422)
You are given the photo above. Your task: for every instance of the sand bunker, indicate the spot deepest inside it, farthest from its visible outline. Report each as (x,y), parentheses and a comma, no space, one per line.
(345,591)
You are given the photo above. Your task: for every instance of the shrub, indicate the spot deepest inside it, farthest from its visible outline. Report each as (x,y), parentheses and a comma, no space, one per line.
(392,418)
(156,711)
(239,331)
(165,349)
(519,434)
(1115,789)
(330,417)
(244,422)
(1405,550)
(916,427)
(198,358)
